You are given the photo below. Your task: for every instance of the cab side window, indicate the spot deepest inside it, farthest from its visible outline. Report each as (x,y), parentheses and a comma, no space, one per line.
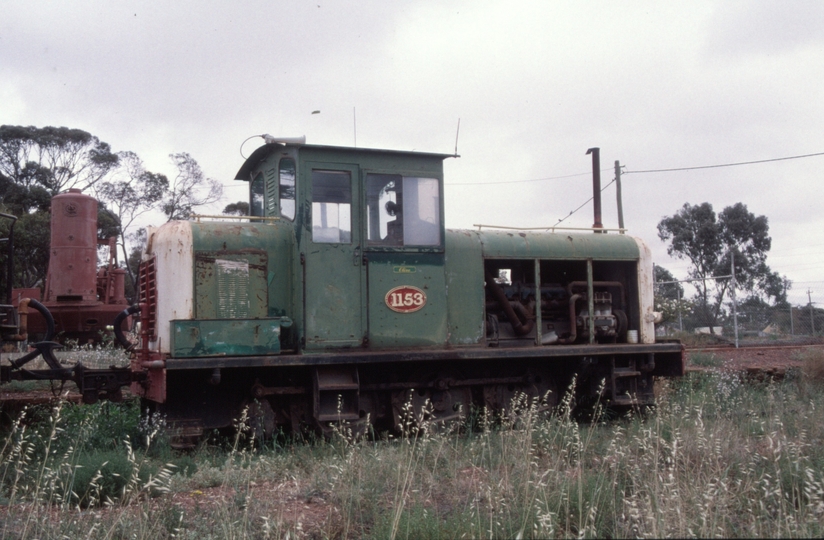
(331,207)
(402,210)
(256,189)
(286,180)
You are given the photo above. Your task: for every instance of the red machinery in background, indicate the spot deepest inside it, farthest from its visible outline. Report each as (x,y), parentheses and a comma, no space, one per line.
(82,298)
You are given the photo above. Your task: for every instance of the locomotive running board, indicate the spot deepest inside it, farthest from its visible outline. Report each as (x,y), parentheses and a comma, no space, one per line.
(668,356)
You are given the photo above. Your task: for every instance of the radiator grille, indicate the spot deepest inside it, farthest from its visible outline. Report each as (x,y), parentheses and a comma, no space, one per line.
(147,294)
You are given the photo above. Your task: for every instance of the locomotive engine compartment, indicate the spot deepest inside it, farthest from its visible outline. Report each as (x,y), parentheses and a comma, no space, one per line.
(512,300)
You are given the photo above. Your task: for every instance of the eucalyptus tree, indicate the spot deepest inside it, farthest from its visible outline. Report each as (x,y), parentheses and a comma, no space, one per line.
(709,242)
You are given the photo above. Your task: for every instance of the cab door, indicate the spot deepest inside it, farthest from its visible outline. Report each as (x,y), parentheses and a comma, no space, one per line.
(406,280)
(333,273)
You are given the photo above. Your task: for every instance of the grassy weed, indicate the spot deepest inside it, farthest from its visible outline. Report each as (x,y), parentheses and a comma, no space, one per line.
(717,457)
(812,367)
(703,359)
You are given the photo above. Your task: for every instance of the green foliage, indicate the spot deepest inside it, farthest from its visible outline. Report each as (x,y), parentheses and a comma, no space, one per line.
(36,164)
(101,476)
(54,158)
(667,293)
(79,456)
(31,249)
(706,360)
(670,291)
(99,427)
(710,242)
(240,208)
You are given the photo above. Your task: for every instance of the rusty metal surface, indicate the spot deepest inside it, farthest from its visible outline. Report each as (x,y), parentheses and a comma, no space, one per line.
(84,322)
(596,187)
(72,274)
(82,298)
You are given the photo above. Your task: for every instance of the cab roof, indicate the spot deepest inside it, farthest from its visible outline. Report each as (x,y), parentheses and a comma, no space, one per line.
(263,152)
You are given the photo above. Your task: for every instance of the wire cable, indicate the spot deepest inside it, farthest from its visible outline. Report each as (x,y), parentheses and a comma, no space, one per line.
(584,204)
(725,164)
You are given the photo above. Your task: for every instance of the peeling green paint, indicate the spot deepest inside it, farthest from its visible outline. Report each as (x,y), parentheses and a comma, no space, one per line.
(231,337)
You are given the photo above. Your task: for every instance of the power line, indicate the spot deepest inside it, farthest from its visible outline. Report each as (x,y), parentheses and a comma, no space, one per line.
(561,177)
(584,204)
(725,164)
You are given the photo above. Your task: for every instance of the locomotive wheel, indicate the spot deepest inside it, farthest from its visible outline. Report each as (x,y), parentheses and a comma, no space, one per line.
(436,404)
(511,401)
(261,419)
(348,430)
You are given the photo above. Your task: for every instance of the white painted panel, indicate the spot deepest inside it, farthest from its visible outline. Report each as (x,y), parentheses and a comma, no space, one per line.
(171,243)
(645,293)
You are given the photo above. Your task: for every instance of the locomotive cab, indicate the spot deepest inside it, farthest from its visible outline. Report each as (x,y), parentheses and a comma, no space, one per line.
(365,222)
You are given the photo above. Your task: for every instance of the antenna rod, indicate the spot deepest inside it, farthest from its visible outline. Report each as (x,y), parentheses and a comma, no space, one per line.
(355,125)
(457,132)
(618,195)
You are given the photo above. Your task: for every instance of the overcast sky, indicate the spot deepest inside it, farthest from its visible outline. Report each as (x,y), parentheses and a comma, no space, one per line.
(655,85)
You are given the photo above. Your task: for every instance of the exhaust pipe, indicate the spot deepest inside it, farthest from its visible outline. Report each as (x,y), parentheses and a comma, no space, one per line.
(596,186)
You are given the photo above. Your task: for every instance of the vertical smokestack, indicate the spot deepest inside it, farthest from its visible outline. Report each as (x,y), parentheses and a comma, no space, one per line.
(596,186)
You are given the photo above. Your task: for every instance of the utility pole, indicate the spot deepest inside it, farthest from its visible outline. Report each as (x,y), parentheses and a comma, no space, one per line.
(734,307)
(812,313)
(618,195)
(792,330)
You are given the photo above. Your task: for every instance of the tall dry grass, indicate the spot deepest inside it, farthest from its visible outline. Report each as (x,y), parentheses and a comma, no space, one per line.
(716,457)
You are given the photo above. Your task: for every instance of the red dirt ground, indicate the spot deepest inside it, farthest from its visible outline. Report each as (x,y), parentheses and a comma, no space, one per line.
(772,360)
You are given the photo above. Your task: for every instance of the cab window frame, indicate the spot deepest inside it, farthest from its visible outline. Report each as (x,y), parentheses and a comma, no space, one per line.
(379,203)
(257,195)
(287,211)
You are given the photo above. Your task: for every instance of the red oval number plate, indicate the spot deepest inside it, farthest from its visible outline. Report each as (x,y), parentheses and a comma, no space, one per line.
(405,299)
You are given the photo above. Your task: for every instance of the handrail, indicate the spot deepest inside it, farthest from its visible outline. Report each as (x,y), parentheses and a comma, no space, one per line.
(197,217)
(553,229)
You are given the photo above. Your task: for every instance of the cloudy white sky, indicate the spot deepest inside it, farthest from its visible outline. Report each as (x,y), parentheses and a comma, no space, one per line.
(535,84)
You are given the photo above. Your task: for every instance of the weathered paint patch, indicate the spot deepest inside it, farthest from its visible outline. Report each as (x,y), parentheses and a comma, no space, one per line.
(464,271)
(230,337)
(172,246)
(645,293)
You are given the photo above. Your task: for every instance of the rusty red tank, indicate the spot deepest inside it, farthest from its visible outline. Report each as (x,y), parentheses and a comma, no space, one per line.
(82,297)
(72,275)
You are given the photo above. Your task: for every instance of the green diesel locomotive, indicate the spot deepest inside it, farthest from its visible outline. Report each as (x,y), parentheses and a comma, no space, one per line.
(344,297)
